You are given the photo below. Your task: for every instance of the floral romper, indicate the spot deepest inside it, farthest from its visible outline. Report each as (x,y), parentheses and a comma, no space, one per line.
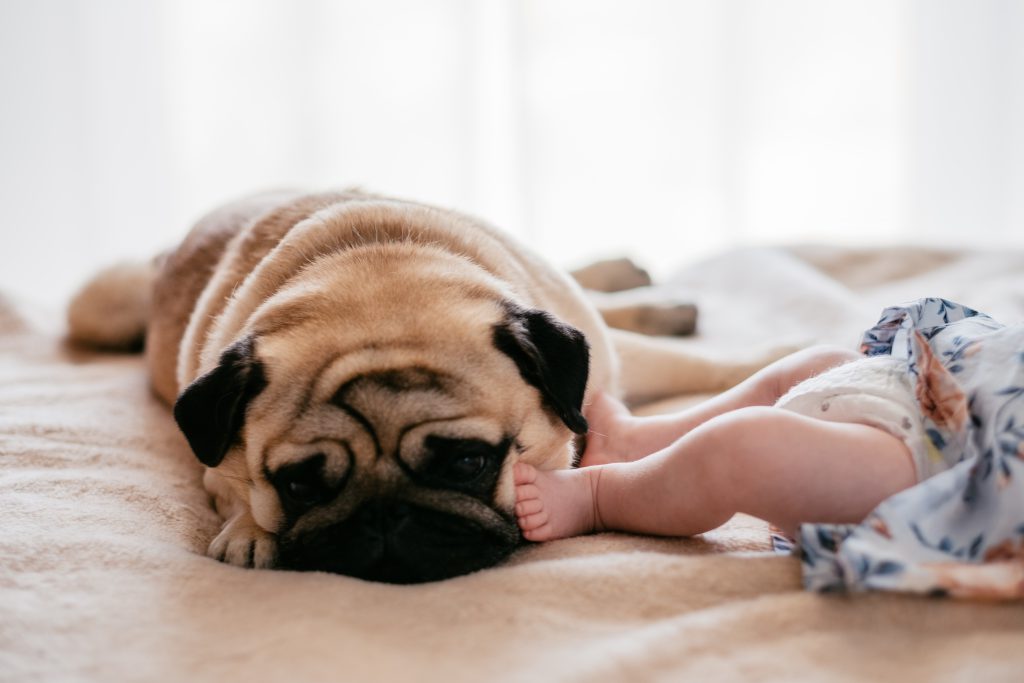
(960,531)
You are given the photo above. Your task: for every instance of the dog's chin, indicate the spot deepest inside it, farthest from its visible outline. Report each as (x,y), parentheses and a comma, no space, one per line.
(396,542)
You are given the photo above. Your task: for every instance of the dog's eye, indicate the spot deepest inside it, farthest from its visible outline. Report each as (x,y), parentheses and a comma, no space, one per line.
(465,468)
(465,464)
(304,492)
(301,485)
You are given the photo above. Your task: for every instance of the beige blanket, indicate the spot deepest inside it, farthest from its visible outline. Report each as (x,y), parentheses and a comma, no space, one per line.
(104,523)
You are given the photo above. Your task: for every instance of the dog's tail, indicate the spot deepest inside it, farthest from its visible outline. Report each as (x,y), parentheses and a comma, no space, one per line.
(111,310)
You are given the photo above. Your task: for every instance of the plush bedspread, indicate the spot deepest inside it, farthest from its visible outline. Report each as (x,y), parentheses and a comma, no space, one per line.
(104,524)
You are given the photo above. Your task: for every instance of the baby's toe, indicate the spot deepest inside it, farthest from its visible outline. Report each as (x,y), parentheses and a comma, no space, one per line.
(531,522)
(523,473)
(529,507)
(525,492)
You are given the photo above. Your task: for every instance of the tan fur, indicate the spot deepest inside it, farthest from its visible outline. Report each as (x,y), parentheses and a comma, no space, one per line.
(322,281)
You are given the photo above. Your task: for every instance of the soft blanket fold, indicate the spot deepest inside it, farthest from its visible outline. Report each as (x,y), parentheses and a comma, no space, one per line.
(104,522)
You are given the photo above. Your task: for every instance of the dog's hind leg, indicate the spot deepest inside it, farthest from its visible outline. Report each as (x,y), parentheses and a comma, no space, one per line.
(622,292)
(646,311)
(111,310)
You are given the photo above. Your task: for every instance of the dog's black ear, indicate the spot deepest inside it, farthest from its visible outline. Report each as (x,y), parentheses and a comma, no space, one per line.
(211,411)
(550,355)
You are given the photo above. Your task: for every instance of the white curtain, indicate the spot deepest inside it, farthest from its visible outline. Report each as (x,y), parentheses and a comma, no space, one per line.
(662,129)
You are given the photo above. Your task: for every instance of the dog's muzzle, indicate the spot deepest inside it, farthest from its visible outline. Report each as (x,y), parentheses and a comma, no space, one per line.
(394,541)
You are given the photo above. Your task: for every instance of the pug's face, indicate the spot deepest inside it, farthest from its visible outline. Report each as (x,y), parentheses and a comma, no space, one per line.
(381,446)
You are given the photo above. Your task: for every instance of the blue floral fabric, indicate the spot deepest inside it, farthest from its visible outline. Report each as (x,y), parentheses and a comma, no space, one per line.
(959,532)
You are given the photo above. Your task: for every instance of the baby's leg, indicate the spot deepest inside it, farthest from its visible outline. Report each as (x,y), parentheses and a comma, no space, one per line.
(774,464)
(617,436)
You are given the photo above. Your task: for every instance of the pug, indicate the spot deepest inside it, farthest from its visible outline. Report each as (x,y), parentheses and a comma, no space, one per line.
(359,374)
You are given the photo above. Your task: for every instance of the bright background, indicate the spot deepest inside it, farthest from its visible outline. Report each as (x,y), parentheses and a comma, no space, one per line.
(665,130)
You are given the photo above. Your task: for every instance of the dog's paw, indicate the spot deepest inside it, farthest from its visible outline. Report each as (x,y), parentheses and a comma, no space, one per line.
(243,543)
(614,275)
(667,319)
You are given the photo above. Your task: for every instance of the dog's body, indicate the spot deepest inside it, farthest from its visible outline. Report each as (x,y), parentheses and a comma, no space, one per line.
(359,374)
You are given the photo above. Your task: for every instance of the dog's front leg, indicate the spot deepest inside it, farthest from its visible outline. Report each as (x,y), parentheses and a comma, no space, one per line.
(241,541)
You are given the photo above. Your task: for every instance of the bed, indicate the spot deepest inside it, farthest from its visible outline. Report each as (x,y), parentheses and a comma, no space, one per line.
(103,576)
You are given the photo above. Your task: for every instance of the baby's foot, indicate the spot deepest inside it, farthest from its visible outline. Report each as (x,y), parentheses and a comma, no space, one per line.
(608,435)
(557,503)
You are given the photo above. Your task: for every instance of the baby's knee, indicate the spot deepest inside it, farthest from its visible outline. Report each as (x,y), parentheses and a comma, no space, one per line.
(727,451)
(748,427)
(743,434)
(738,446)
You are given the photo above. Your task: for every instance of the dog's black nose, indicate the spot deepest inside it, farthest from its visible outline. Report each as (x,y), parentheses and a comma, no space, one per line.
(381,515)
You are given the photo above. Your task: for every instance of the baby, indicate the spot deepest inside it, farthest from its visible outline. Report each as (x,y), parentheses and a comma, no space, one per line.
(769,447)
(899,469)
